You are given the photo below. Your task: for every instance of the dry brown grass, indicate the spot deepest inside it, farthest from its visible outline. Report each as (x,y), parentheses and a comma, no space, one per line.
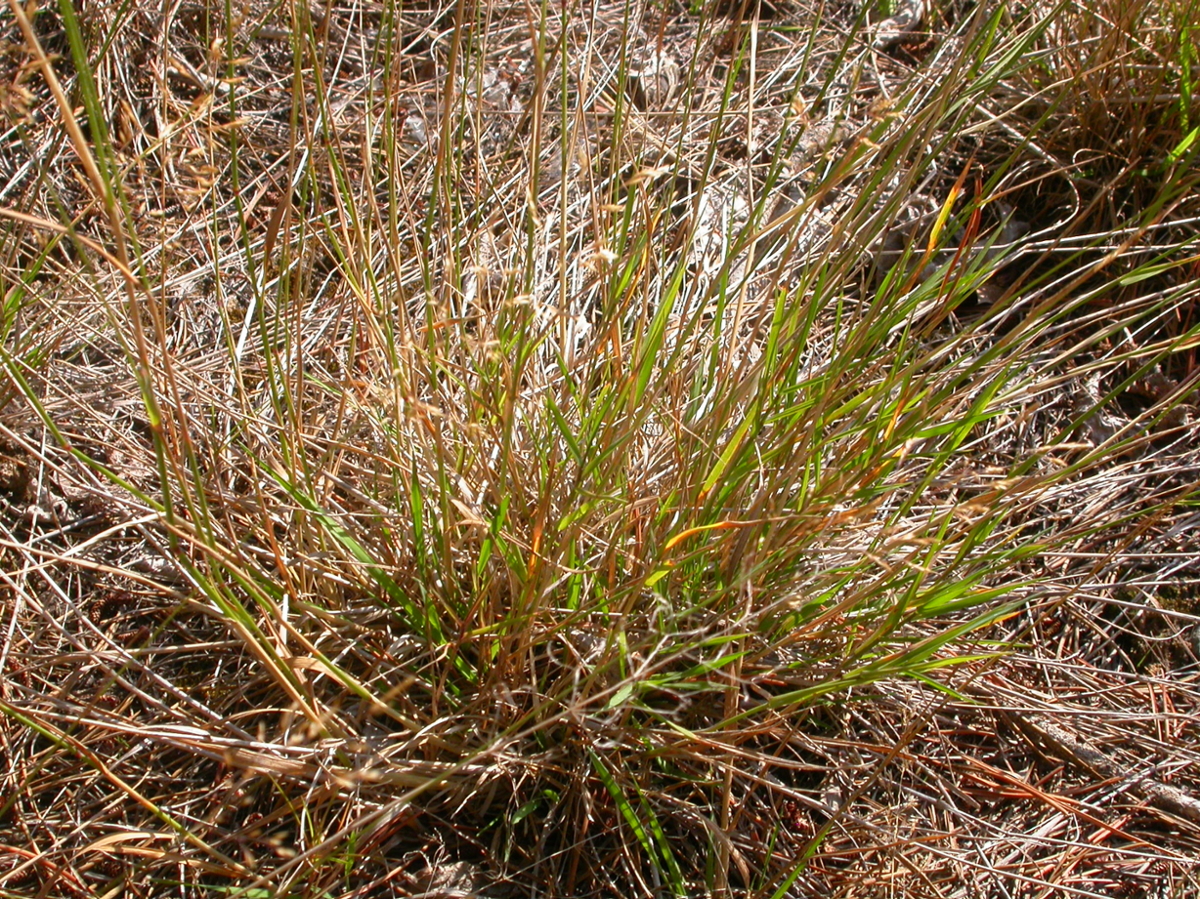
(498,450)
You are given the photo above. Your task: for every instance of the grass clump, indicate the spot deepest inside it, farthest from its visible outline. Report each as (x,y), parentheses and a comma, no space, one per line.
(649,450)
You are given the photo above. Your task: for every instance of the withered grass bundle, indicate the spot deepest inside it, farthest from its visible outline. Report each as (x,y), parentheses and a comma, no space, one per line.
(730,449)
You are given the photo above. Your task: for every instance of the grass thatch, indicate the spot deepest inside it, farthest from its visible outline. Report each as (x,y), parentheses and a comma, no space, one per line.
(511,450)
